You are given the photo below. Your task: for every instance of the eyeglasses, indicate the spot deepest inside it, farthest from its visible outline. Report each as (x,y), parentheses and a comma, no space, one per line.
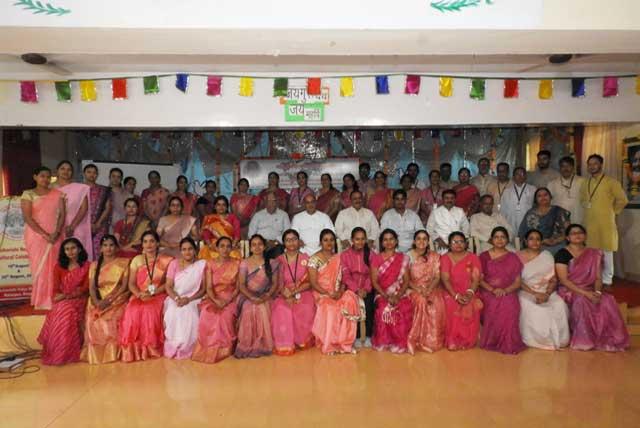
(291,240)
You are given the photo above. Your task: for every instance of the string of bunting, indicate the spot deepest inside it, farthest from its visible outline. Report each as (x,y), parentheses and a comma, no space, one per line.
(477,89)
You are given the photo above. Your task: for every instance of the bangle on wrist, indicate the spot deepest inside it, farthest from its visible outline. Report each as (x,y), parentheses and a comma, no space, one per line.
(456,296)
(598,292)
(471,290)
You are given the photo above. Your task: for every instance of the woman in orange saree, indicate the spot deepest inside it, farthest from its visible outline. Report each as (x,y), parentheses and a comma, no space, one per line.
(338,309)
(108,279)
(328,198)
(244,205)
(379,197)
(218,310)
(218,225)
(43,210)
(141,331)
(188,199)
(175,226)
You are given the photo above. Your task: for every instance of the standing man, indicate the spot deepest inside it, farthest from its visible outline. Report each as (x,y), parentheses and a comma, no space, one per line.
(445,219)
(445,176)
(357,216)
(543,175)
(602,198)
(500,186)
(482,223)
(413,171)
(309,223)
(365,182)
(484,181)
(403,221)
(271,223)
(517,199)
(566,189)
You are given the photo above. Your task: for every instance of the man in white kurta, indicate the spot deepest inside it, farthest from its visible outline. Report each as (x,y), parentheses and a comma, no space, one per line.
(482,223)
(309,223)
(517,198)
(446,219)
(356,216)
(403,221)
(565,190)
(484,181)
(543,174)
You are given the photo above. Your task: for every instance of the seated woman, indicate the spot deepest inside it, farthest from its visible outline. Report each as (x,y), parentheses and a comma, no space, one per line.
(328,198)
(175,226)
(215,226)
(108,288)
(355,263)
(258,282)
(61,334)
(550,220)
(467,195)
(595,319)
(544,316)
(293,309)
(429,315)
(460,274)
(379,197)
(129,230)
(500,283)
(185,287)
(338,310)
(141,331)
(218,310)
(394,311)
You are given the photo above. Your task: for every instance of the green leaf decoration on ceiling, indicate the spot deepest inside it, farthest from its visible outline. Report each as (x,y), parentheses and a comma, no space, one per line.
(445,6)
(37,7)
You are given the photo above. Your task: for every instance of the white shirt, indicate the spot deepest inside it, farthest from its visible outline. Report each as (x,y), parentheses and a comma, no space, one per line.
(481,226)
(349,218)
(419,184)
(566,194)
(270,226)
(484,183)
(514,208)
(442,222)
(405,225)
(309,227)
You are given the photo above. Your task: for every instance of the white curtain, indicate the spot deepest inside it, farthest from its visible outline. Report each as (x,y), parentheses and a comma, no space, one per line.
(605,141)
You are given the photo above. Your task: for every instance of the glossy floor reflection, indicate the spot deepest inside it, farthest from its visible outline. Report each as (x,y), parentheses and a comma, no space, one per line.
(464,389)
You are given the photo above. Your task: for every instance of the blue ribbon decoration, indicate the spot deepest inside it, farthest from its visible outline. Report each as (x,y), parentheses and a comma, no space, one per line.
(382,85)
(182,81)
(578,88)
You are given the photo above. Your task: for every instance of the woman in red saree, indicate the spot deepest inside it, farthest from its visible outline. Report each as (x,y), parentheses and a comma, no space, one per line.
(215,226)
(460,274)
(379,197)
(349,184)
(188,199)
(61,334)
(338,309)
(328,198)
(467,195)
(141,331)
(594,317)
(501,270)
(297,195)
(154,198)
(43,211)
(108,280)
(293,309)
(429,314)
(394,311)
(129,230)
(175,226)
(218,310)
(257,282)
(244,205)
(281,195)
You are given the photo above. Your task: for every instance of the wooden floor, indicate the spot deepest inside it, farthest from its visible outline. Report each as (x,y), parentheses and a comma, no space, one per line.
(462,389)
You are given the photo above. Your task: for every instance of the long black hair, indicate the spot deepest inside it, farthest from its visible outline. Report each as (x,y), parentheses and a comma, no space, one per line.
(366,249)
(96,278)
(64,261)
(267,262)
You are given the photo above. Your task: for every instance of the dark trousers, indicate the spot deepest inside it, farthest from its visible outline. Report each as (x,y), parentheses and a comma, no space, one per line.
(369,308)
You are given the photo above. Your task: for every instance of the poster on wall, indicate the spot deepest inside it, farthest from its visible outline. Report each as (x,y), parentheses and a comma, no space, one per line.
(15,275)
(631,172)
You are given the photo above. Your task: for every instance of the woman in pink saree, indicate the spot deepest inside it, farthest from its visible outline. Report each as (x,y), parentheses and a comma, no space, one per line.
(244,205)
(338,309)
(175,226)
(594,319)
(414,196)
(501,270)
(328,198)
(43,210)
(185,288)
(218,310)
(394,311)
(258,282)
(379,197)
(78,220)
(188,199)
(218,225)
(429,314)
(349,184)
(154,198)
(460,274)
(293,310)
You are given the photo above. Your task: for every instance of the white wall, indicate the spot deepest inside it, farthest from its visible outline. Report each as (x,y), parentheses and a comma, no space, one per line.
(172,109)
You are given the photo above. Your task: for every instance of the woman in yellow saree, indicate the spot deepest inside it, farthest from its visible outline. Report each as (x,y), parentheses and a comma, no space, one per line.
(219,224)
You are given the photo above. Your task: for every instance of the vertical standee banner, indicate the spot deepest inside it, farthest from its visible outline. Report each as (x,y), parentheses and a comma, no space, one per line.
(15,275)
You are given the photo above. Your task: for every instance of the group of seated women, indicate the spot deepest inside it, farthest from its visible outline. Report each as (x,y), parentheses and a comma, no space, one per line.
(206,310)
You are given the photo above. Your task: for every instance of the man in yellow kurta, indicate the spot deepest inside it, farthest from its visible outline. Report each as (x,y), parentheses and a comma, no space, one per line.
(602,198)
